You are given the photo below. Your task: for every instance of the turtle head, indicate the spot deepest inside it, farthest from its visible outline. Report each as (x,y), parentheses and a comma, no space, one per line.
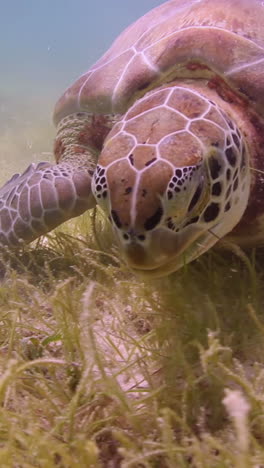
(173,178)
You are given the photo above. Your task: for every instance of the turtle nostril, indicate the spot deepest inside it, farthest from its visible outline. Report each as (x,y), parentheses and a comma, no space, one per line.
(133,237)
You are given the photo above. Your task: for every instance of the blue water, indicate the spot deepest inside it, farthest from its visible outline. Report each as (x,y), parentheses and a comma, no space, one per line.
(44,46)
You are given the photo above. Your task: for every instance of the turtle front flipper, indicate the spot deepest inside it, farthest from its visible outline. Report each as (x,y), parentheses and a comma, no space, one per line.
(43,197)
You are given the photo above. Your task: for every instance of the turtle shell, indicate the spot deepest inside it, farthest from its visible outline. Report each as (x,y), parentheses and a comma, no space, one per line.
(195,39)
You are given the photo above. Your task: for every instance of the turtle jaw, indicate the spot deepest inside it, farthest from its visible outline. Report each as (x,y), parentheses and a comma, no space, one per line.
(166,251)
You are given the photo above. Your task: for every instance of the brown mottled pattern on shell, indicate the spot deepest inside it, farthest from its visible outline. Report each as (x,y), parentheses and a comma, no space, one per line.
(155,124)
(142,156)
(137,75)
(157,99)
(214,115)
(148,201)
(250,81)
(116,129)
(219,35)
(68,102)
(183,148)
(208,133)
(219,49)
(121,181)
(188,103)
(136,30)
(178,146)
(149,125)
(115,148)
(95,92)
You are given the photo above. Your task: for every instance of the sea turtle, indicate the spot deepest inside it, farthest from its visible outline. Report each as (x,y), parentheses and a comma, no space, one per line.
(165,132)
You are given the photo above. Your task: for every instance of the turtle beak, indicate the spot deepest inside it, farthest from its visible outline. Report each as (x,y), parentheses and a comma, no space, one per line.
(165,252)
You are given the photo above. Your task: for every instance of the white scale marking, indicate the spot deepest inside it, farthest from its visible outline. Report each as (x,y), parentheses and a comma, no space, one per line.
(168,96)
(123,158)
(204,27)
(175,111)
(243,67)
(123,74)
(169,15)
(150,65)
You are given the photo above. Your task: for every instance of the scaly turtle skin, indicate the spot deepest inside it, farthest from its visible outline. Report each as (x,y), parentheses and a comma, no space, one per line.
(166,133)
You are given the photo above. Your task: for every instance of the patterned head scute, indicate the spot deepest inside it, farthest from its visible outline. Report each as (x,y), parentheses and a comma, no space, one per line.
(172,172)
